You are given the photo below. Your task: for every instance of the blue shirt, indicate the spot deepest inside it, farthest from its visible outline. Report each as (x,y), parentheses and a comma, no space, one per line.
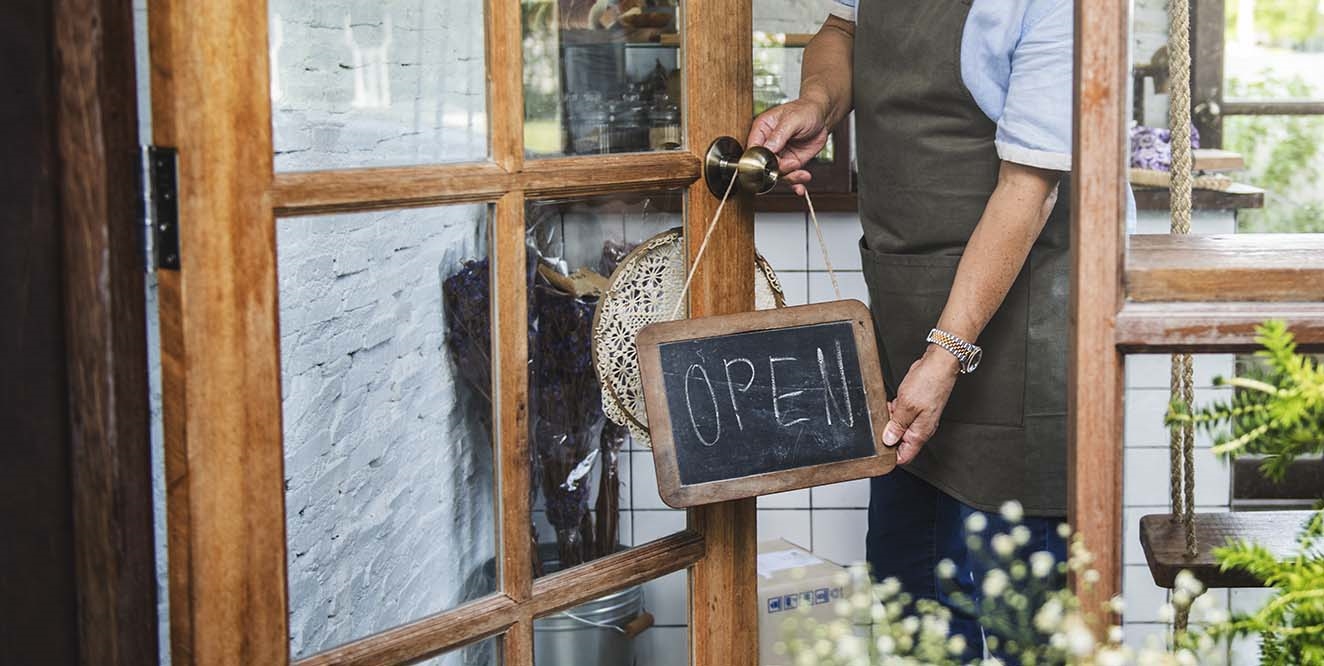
(1016,59)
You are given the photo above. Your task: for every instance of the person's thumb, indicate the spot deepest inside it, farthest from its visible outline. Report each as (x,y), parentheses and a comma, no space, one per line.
(902,416)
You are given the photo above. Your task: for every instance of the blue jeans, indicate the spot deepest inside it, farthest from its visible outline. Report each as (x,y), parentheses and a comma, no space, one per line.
(913,526)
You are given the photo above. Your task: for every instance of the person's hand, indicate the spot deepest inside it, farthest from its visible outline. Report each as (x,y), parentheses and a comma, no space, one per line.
(919,402)
(796,131)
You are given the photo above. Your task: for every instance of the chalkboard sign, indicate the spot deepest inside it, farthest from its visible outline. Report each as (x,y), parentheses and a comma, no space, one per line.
(764,402)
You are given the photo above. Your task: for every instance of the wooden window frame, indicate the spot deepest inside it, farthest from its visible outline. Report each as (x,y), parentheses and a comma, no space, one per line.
(1208,98)
(226,540)
(1160,294)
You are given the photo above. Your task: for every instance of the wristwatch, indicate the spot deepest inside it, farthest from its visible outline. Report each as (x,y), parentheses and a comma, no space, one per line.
(967,354)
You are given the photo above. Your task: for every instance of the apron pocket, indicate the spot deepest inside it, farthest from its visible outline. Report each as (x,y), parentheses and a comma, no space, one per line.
(907,294)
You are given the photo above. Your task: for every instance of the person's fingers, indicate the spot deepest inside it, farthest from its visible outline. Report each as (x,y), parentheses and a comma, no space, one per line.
(922,428)
(918,434)
(907,451)
(763,126)
(798,177)
(903,414)
(792,124)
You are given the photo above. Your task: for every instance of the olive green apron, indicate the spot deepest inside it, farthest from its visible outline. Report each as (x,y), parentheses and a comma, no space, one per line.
(927,167)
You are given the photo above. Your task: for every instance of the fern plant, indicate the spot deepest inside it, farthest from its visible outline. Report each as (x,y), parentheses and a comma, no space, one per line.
(1276,411)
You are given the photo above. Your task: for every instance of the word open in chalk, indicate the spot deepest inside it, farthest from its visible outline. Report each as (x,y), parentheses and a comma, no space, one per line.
(765,401)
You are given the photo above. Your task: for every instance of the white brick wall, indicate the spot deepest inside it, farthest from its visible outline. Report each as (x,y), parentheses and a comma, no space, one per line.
(377,83)
(388,467)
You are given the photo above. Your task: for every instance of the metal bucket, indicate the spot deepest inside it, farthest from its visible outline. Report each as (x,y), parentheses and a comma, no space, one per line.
(591,634)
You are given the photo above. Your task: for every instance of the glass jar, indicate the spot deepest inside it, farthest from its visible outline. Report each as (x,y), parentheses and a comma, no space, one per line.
(664,125)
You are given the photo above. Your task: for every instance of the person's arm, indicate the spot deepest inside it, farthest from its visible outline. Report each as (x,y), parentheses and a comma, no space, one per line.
(797,130)
(1015,215)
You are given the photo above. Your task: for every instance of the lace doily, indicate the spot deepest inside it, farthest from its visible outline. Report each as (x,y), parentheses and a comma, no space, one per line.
(644,290)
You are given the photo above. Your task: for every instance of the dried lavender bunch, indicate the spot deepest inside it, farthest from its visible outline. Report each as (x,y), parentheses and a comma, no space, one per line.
(567,411)
(467,299)
(608,507)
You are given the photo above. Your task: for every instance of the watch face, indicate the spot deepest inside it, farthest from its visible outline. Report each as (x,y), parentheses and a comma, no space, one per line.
(975,357)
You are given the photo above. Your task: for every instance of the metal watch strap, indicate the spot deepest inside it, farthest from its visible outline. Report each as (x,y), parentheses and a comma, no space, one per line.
(963,350)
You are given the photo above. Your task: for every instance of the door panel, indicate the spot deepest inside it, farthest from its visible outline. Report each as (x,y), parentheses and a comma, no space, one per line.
(393,83)
(257,414)
(389,465)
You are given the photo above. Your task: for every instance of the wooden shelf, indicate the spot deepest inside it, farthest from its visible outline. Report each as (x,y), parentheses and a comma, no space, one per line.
(1239,197)
(1240,267)
(1164,542)
(1207,328)
(1304,481)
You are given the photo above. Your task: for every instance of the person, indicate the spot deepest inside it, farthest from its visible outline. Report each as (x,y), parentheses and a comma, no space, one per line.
(963,112)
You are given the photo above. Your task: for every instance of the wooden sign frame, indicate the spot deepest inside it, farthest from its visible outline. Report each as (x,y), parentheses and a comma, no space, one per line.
(680,495)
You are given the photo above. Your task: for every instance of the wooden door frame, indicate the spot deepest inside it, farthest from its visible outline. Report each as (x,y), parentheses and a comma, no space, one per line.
(78,505)
(219,339)
(1174,296)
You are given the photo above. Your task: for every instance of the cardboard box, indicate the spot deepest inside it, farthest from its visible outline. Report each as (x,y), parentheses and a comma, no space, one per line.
(791,579)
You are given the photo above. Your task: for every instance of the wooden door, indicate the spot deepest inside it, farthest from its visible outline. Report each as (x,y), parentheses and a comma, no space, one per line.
(347,168)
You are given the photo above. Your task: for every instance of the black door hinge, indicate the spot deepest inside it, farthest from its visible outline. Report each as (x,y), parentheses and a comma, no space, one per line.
(160,207)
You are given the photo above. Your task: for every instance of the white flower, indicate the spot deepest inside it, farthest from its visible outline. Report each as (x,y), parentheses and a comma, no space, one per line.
(910,625)
(1166,613)
(890,587)
(1117,605)
(1003,545)
(1080,640)
(1188,583)
(1042,564)
(956,645)
(1049,617)
(1013,512)
(1110,657)
(976,523)
(1091,576)
(934,627)
(885,644)
(995,583)
(1021,535)
(1063,530)
(841,608)
(1115,634)
(946,569)
(1181,598)
(823,647)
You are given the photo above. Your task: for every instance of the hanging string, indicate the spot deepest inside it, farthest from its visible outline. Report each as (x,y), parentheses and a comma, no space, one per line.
(1181,439)
(703,247)
(822,244)
(712,226)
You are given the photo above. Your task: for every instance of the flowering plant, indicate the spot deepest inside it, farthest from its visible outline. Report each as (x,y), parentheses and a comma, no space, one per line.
(1029,616)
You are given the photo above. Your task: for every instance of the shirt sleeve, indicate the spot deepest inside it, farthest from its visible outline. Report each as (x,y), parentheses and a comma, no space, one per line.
(1035,127)
(844,9)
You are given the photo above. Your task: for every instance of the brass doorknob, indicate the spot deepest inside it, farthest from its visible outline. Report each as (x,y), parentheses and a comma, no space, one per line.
(755,169)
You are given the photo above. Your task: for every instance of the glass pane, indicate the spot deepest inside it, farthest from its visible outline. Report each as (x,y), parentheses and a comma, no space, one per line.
(590,477)
(387,82)
(601,78)
(1274,49)
(1284,156)
(601,632)
(389,501)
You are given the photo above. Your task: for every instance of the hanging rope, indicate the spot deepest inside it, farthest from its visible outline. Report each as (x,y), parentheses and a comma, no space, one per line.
(1181,439)
(712,226)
